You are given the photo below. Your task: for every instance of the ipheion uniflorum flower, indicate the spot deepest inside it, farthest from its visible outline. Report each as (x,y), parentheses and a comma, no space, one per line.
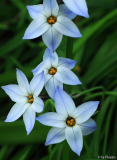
(52,21)
(26,97)
(69,122)
(56,72)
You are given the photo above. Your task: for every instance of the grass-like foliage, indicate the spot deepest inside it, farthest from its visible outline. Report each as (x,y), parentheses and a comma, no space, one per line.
(96,55)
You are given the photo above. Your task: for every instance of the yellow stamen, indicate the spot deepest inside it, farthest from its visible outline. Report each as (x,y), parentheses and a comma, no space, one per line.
(51,20)
(30,96)
(31,100)
(70,121)
(52,71)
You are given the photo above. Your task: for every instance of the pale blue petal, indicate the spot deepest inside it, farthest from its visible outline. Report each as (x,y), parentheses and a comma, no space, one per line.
(66,12)
(14,94)
(83,112)
(66,62)
(50,59)
(52,38)
(78,6)
(54,60)
(29,119)
(55,135)
(74,138)
(47,58)
(36,28)
(47,77)
(52,119)
(66,27)
(37,105)
(88,126)
(38,69)
(37,84)
(63,102)
(51,86)
(66,76)
(50,7)
(16,111)
(23,82)
(35,11)
(14,87)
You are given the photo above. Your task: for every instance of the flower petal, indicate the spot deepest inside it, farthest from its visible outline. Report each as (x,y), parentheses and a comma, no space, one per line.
(66,62)
(37,83)
(55,135)
(47,58)
(50,7)
(66,76)
(77,6)
(52,38)
(51,86)
(36,28)
(74,138)
(35,11)
(37,105)
(63,102)
(15,88)
(83,112)
(16,111)
(66,12)
(14,93)
(38,69)
(23,82)
(88,126)
(47,77)
(52,119)
(54,60)
(29,119)
(66,27)
(50,59)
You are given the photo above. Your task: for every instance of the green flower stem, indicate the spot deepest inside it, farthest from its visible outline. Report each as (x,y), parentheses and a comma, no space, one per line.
(50,148)
(89,90)
(95,94)
(87,148)
(53,150)
(95,113)
(101,94)
(69,51)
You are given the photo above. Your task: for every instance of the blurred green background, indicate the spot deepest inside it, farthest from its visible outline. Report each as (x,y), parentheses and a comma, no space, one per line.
(96,55)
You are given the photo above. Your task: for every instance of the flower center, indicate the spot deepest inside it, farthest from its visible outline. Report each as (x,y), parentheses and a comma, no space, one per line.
(30,99)
(51,20)
(70,121)
(52,71)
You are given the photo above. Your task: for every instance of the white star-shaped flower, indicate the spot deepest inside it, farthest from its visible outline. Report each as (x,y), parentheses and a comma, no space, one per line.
(56,72)
(26,97)
(69,122)
(52,22)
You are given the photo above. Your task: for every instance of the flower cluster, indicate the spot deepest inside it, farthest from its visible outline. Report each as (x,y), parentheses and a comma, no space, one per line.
(52,21)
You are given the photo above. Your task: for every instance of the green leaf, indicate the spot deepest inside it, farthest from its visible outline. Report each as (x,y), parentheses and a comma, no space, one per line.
(15,133)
